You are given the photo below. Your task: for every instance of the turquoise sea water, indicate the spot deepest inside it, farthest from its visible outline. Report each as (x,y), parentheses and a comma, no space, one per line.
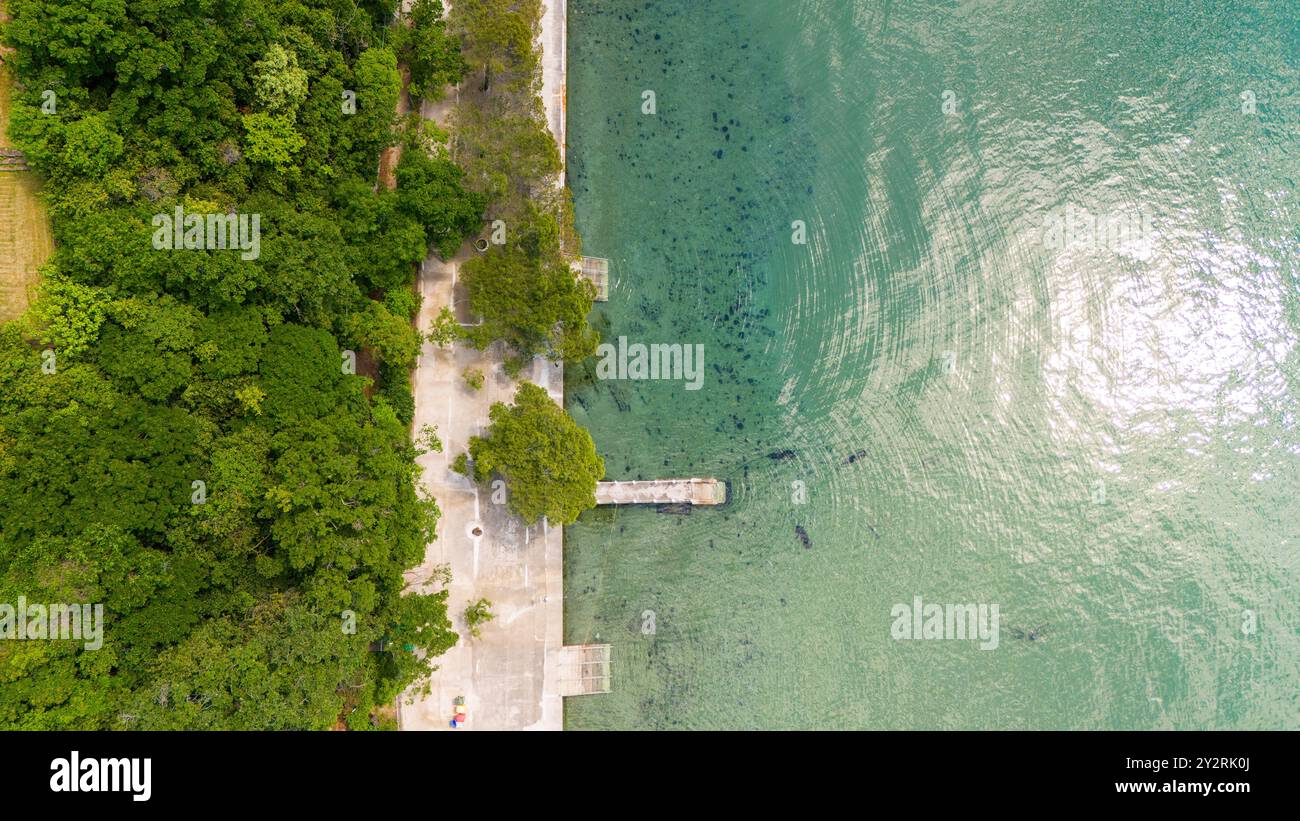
(1102,438)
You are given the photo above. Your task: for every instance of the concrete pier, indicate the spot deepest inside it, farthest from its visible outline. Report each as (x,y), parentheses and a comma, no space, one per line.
(662,492)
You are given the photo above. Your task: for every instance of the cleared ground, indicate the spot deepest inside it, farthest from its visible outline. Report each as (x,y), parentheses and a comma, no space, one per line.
(25,242)
(25,239)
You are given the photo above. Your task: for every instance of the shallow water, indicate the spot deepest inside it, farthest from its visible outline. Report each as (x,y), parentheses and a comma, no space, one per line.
(1099,437)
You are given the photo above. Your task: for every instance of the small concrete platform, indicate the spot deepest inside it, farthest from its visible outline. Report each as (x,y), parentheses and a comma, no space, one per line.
(662,492)
(596,271)
(584,669)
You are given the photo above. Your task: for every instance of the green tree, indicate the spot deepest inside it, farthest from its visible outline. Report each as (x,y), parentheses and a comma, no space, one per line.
(461,464)
(497,36)
(431,54)
(536,307)
(69,315)
(378,83)
(80,39)
(134,469)
(385,243)
(478,614)
(549,463)
(278,82)
(430,190)
(271,139)
(91,146)
(302,373)
(420,621)
(279,666)
(391,336)
(508,155)
(68,685)
(446,329)
(149,345)
(473,378)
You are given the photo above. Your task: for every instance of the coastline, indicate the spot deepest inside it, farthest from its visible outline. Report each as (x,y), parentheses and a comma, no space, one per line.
(554,44)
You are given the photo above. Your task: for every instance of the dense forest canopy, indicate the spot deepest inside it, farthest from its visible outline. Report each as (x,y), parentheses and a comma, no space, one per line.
(181,435)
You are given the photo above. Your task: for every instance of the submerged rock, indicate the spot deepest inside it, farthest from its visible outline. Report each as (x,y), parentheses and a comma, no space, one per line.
(675,508)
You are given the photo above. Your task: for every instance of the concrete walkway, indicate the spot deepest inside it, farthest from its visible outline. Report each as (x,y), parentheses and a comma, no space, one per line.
(509,676)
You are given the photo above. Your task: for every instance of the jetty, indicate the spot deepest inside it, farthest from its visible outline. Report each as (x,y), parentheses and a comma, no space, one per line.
(662,492)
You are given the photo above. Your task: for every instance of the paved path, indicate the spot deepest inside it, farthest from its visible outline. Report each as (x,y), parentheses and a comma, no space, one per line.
(509,675)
